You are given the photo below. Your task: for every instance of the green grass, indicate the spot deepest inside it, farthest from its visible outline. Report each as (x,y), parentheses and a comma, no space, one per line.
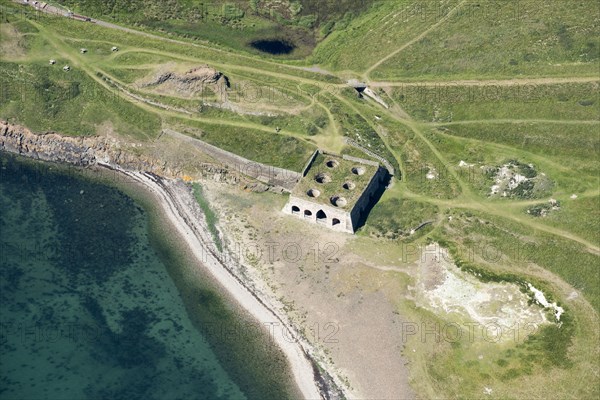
(23,26)
(19,38)
(354,152)
(276,89)
(484,160)
(544,364)
(233,24)
(45,98)
(562,175)
(549,346)
(310,122)
(210,22)
(504,40)
(354,125)
(513,249)
(161,48)
(193,104)
(211,218)
(96,49)
(456,368)
(573,101)
(394,218)
(269,148)
(134,58)
(418,161)
(239,38)
(128,75)
(580,216)
(259,92)
(575,146)
(160,51)
(375,34)
(250,91)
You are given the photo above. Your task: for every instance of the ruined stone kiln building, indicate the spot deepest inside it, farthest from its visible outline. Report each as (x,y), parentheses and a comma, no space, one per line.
(336,191)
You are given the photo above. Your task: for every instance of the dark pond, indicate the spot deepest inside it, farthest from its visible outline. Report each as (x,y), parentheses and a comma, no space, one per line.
(273,46)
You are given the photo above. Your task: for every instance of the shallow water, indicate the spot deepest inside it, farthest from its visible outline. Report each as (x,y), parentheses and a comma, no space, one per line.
(88,309)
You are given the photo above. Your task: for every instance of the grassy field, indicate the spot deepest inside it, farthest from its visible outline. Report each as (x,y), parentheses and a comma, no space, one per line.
(455,102)
(567,151)
(269,148)
(574,146)
(500,250)
(105,107)
(127,75)
(374,35)
(395,218)
(44,98)
(355,122)
(231,23)
(496,39)
(522,248)
(181,49)
(423,172)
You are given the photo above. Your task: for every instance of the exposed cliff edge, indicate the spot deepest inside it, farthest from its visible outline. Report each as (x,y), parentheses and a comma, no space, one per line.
(92,150)
(81,151)
(50,146)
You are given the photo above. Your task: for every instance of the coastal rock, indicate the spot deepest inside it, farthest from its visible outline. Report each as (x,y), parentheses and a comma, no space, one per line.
(93,150)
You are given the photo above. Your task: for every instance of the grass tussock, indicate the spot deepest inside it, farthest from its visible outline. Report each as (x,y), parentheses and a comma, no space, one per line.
(211,217)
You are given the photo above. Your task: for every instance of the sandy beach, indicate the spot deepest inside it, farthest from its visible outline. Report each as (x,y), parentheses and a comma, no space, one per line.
(175,202)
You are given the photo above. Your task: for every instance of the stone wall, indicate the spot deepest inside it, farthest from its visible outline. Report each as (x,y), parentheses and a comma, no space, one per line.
(270,175)
(364,202)
(346,220)
(310,162)
(360,160)
(342,217)
(370,153)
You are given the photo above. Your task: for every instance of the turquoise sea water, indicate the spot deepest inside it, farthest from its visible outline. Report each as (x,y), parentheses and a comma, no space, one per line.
(89,308)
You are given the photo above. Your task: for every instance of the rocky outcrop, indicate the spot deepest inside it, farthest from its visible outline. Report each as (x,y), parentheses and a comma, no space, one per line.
(81,151)
(194,80)
(204,74)
(50,146)
(94,150)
